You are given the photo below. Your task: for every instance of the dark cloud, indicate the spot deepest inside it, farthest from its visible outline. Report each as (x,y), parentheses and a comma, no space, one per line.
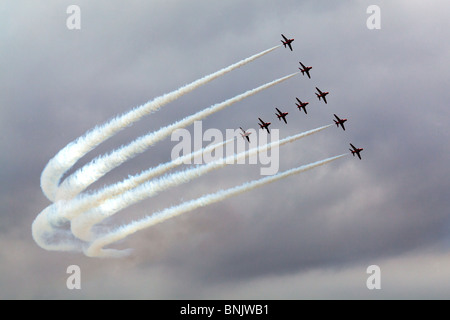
(339,218)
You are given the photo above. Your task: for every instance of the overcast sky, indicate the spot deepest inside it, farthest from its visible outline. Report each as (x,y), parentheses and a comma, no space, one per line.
(312,235)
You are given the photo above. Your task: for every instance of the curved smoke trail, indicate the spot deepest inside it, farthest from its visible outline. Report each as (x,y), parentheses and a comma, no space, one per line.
(68,224)
(95,249)
(70,154)
(81,226)
(84,202)
(97,168)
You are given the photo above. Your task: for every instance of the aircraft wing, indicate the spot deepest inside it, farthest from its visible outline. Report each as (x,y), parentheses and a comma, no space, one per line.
(337,117)
(261,121)
(319,90)
(342,125)
(359,156)
(284,118)
(303,66)
(248,139)
(285,39)
(290,47)
(307,72)
(354,148)
(324,99)
(278,110)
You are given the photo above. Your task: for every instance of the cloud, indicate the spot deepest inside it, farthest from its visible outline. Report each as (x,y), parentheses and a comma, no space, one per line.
(390,84)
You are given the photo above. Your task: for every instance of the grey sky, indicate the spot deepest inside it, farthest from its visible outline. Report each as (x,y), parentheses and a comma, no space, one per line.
(307,236)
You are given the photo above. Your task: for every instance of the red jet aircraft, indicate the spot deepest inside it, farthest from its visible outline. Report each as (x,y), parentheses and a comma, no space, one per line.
(264,125)
(321,95)
(245,134)
(356,150)
(287,42)
(339,122)
(301,105)
(281,115)
(305,69)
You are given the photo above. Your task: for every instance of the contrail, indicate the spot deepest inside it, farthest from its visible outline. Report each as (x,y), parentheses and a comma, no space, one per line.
(86,201)
(97,168)
(95,249)
(71,153)
(48,232)
(57,214)
(71,223)
(81,226)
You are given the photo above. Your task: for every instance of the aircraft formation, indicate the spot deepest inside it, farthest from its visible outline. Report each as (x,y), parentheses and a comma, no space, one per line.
(321,95)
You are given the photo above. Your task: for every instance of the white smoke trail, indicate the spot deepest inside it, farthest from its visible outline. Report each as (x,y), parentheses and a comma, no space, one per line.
(49,233)
(46,228)
(70,154)
(81,226)
(97,168)
(84,202)
(96,248)
(67,224)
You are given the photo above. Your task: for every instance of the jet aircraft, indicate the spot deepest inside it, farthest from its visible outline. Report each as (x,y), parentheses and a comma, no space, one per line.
(321,95)
(287,42)
(305,70)
(356,150)
(301,105)
(281,115)
(264,125)
(339,121)
(245,134)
